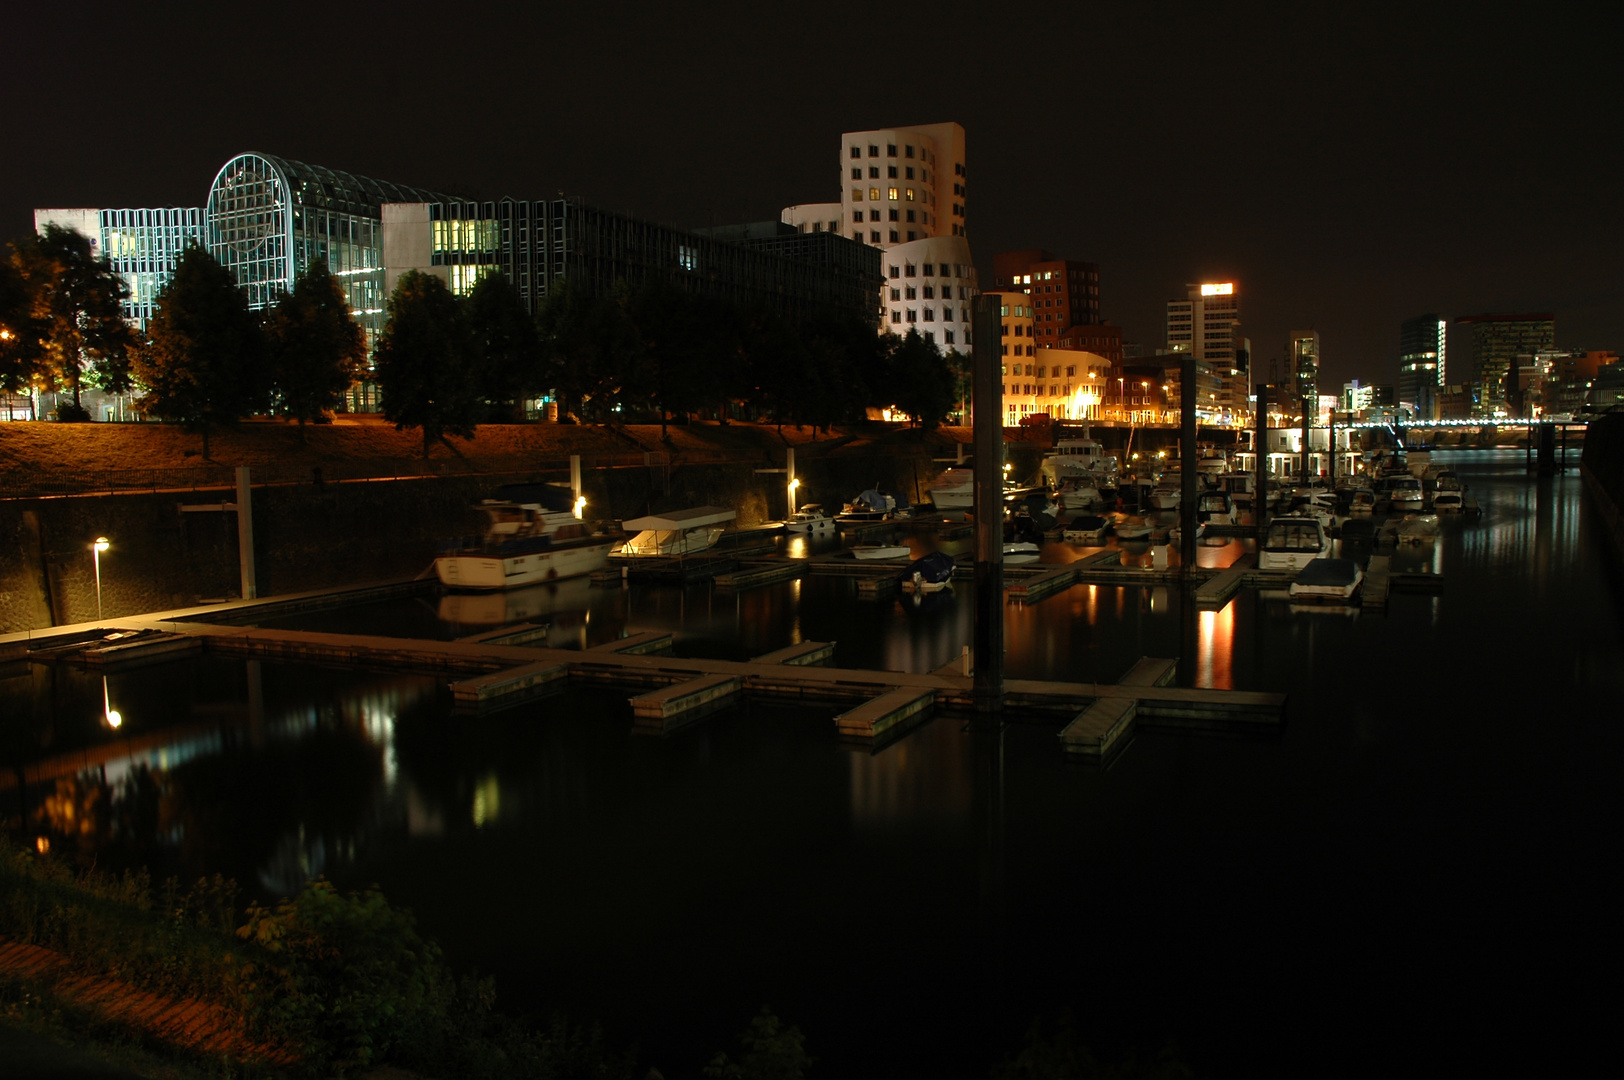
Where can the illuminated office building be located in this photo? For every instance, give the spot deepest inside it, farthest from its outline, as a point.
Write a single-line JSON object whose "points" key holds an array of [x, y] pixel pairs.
{"points": [[142, 246], [1303, 361], [1205, 323], [1494, 342], [1422, 363]]}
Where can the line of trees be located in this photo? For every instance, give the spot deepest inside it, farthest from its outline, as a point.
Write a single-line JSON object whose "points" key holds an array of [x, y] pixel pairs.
{"points": [[444, 363]]}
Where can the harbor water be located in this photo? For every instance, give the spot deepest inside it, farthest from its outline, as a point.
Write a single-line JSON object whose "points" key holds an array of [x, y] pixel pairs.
{"points": [[1417, 875]]}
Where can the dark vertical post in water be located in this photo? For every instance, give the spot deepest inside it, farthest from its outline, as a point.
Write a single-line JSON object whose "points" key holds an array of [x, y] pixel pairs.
{"points": [[1332, 456], [1188, 397], [1308, 428], [245, 534], [989, 509], [1260, 443], [1547, 450], [1564, 466], [1528, 449]]}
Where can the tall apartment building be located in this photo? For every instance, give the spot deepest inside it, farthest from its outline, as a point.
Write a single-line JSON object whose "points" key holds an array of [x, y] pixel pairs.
{"points": [[1067, 384], [1422, 363], [1065, 292], [1205, 323], [905, 191], [1493, 344], [1303, 360]]}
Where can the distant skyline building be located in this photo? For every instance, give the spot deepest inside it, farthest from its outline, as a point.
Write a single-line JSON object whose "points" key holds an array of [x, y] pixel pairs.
{"points": [[1303, 358], [1422, 363], [905, 191], [1206, 323], [1493, 342], [1065, 292]]}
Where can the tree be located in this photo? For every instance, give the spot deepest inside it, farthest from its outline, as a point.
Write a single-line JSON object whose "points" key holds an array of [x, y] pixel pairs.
{"points": [[591, 347], [921, 381], [203, 363], [75, 300], [316, 350], [422, 365], [770, 1051], [19, 334], [503, 345]]}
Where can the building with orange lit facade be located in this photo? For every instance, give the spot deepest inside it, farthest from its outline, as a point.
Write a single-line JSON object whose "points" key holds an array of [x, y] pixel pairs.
{"points": [[1065, 293], [1039, 380]]}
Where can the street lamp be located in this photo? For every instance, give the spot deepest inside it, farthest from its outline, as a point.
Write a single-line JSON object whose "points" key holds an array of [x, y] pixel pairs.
{"points": [[793, 484], [1122, 399], [96, 549]]}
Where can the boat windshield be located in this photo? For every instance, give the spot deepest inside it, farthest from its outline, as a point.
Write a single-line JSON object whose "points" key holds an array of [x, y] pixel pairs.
{"points": [[1291, 535]]}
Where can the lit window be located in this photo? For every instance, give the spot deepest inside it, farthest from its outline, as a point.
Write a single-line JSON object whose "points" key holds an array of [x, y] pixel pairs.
{"points": [[910, 195], [856, 194], [1003, 309], [893, 192], [874, 193], [687, 257]]}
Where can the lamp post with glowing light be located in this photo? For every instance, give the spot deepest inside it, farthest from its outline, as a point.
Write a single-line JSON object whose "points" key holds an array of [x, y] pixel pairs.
{"points": [[96, 549]]}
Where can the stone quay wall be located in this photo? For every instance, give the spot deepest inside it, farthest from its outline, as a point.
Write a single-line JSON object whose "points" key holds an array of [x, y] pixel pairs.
{"points": [[1602, 467], [312, 536]]}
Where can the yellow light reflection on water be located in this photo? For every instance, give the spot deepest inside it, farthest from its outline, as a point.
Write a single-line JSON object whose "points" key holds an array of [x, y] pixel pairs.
{"points": [[1215, 649], [487, 801]]}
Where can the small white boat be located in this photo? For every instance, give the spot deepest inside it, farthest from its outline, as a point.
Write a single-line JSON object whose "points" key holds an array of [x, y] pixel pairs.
{"points": [[1020, 553], [681, 532], [1166, 496], [1417, 529], [1292, 543], [879, 552], [531, 535], [955, 489], [1362, 501], [1077, 459], [1406, 493], [809, 519], [1215, 508], [1087, 530], [1132, 529], [1450, 496], [1327, 580], [1078, 494], [872, 505]]}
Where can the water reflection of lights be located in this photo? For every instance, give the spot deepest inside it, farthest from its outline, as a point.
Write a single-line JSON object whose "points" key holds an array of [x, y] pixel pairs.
{"points": [[487, 801], [1215, 661], [113, 717]]}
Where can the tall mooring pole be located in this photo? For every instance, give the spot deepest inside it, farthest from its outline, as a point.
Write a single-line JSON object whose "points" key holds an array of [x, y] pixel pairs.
{"points": [[1260, 443], [245, 535], [1189, 397], [989, 509]]}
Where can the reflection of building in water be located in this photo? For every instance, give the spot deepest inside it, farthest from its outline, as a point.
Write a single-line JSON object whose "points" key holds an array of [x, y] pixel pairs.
{"points": [[922, 781]]}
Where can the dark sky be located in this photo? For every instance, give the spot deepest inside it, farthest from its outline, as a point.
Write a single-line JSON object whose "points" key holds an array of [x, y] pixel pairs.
{"points": [[1348, 165]]}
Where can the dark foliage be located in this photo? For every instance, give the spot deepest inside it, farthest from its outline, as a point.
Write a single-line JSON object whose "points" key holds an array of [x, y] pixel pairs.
{"points": [[76, 323], [422, 365], [316, 350]]}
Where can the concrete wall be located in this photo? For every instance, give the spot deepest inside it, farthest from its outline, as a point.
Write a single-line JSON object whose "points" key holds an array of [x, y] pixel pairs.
{"points": [[1602, 467], [309, 536]]}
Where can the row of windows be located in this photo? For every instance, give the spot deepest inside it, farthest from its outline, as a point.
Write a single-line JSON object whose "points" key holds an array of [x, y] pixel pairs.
{"points": [[1020, 312], [891, 174], [909, 292], [1040, 390], [874, 215], [890, 151], [1018, 350], [874, 236], [909, 315], [928, 270], [908, 194], [1042, 371]]}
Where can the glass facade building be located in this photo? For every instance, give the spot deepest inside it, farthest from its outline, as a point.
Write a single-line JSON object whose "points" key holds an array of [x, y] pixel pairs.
{"points": [[267, 218], [540, 244], [143, 246], [1495, 342]]}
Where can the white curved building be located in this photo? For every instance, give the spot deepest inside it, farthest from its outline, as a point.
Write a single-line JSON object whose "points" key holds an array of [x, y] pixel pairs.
{"points": [[904, 190]]}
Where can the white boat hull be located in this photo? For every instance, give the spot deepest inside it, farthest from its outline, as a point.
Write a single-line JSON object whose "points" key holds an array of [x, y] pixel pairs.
{"points": [[492, 572], [874, 552], [953, 498]]}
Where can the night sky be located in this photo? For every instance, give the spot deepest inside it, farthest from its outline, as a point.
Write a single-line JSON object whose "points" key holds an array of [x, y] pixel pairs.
{"points": [[1348, 165]]}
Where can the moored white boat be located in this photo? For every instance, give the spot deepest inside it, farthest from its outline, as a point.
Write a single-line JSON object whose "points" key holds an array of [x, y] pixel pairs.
{"points": [[1166, 496], [681, 532], [879, 552], [1019, 553], [929, 573], [531, 535], [809, 519], [1327, 579], [872, 505], [1292, 543], [1215, 508], [1450, 495], [1086, 530], [1417, 529], [955, 489], [1077, 459], [1406, 493]]}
